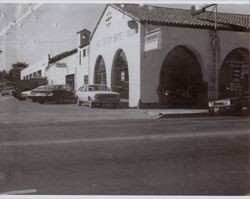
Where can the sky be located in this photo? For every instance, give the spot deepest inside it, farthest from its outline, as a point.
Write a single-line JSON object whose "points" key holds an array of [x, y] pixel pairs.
{"points": [[31, 31]]}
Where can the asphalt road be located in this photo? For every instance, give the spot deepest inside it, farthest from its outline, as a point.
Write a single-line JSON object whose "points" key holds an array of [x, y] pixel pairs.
{"points": [[188, 156]]}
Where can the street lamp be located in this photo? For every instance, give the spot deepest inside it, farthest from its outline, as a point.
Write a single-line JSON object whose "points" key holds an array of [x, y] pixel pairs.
{"points": [[215, 50]]}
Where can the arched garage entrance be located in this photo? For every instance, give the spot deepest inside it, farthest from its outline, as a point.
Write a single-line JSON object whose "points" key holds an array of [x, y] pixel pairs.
{"points": [[100, 71], [234, 74], [120, 76], [181, 83]]}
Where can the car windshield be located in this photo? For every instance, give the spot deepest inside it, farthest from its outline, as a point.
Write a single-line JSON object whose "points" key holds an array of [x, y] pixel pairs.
{"points": [[98, 88], [7, 88], [53, 87]]}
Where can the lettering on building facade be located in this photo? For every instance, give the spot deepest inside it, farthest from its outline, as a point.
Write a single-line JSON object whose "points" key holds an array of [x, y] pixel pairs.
{"points": [[110, 39]]}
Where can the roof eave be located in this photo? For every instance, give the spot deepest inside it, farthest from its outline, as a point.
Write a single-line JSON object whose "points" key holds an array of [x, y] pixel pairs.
{"points": [[232, 28], [124, 12]]}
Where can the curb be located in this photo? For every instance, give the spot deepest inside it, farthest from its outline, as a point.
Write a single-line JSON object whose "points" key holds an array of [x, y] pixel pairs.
{"points": [[184, 115]]}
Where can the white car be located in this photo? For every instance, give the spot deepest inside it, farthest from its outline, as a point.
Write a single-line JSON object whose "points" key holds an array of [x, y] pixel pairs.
{"points": [[25, 95], [97, 94], [7, 91]]}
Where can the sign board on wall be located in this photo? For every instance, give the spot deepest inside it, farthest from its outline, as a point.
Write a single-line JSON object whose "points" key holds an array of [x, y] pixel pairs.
{"points": [[152, 41], [239, 76]]}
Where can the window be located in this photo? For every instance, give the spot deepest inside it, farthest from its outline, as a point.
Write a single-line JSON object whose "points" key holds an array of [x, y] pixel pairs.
{"points": [[122, 75], [84, 53], [39, 73], [80, 61], [86, 79]]}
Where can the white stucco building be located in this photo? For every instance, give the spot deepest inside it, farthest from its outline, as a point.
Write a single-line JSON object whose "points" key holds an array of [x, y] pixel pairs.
{"points": [[35, 70], [144, 51]]}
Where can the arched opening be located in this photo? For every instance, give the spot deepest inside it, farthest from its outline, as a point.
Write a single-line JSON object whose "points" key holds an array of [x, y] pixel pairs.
{"points": [[100, 71], [181, 83], [120, 75], [234, 74]]}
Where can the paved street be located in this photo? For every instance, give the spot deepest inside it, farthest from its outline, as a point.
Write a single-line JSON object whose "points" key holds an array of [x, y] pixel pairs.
{"points": [[197, 156]]}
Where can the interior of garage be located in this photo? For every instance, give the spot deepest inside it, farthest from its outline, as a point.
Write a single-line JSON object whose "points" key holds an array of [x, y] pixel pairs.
{"points": [[181, 81]]}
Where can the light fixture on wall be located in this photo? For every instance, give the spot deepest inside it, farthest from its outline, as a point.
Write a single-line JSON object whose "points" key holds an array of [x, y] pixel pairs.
{"points": [[133, 25]]}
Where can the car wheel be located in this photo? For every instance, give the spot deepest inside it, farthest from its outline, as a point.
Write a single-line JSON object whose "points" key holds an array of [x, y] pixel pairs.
{"points": [[78, 101], [115, 105], [41, 100], [59, 100], [91, 103], [237, 110], [34, 100]]}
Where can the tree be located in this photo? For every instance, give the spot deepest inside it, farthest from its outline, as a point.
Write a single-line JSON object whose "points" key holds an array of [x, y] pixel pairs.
{"points": [[15, 71], [3, 77]]}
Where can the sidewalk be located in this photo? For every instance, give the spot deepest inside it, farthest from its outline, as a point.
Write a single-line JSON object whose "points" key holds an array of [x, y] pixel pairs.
{"points": [[72, 114], [175, 113]]}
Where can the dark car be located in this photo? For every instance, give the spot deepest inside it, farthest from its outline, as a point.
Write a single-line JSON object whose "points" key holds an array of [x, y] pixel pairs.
{"points": [[176, 98], [28, 85], [234, 105], [57, 93]]}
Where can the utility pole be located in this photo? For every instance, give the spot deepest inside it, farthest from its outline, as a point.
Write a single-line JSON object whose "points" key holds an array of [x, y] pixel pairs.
{"points": [[213, 68], [195, 12]]}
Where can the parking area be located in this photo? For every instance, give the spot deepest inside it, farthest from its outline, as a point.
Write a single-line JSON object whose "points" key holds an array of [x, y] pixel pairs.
{"points": [[15, 111]]}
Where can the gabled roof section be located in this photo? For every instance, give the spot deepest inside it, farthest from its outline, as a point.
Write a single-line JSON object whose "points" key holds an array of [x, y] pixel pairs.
{"points": [[62, 56], [117, 8], [91, 36], [183, 18]]}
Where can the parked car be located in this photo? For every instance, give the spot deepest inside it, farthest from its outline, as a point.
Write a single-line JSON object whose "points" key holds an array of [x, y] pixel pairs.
{"points": [[176, 98], [232, 105], [7, 91], [97, 94], [49, 93], [25, 95], [27, 85]]}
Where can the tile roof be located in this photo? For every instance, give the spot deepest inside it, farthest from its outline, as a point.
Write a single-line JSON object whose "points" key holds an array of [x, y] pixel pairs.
{"points": [[183, 17], [62, 56]]}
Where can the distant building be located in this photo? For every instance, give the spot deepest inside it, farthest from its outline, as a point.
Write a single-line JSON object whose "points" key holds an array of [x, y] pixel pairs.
{"points": [[35, 70], [61, 68], [144, 52]]}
